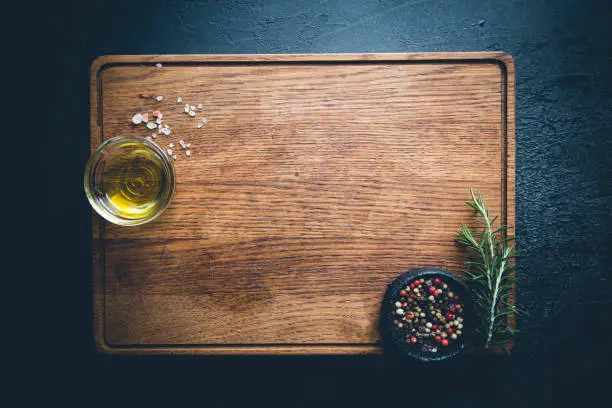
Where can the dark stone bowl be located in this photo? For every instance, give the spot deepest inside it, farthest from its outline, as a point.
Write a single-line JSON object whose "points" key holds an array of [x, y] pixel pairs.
{"points": [[393, 338]]}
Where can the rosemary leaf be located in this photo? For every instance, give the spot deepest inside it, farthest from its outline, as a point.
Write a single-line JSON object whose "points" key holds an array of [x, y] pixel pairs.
{"points": [[489, 272]]}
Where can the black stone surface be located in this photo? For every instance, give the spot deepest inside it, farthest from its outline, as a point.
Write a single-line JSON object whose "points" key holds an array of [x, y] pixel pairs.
{"points": [[563, 53]]}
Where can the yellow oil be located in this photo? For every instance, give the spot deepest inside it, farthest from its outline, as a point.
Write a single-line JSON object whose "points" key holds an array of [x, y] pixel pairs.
{"points": [[132, 182]]}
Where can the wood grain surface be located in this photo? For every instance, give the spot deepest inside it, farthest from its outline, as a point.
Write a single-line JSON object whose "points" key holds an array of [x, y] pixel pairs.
{"points": [[316, 181]]}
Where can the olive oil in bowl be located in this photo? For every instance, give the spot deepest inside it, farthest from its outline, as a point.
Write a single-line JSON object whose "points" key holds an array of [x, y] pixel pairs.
{"points": [[129, 181]]}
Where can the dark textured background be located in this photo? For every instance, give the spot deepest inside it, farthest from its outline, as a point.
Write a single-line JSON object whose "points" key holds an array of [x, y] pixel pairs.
{"points": [[563, 53]]}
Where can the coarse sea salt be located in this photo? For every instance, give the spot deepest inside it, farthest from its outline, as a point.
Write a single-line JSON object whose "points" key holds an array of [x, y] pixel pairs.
{"points": [[137, 119]]}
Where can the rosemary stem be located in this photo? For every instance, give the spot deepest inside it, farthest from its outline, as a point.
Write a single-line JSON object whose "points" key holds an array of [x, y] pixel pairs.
{"points": [[493, 304], [487, 274]]}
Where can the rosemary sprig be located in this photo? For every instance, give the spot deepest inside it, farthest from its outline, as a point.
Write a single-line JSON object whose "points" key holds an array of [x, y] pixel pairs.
{"points": [[489, 273]]}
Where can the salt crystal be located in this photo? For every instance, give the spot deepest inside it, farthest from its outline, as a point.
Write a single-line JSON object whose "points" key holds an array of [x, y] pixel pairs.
{"points": [[174, 156], [166, 131], [188, 152], [191, 113], [158, 121], [153, 135], [145, 117], [171, 145], [200, 125], [159, 98], [193, 108], [182, 143], [158, 65], [188, 145], [179, 99], [204, 120], [169, 152], [151, 125], [157, 114], [137, 119], [200, 106]]}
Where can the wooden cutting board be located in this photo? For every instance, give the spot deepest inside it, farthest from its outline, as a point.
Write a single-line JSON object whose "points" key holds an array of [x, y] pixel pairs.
{"points": [[316, 180]]}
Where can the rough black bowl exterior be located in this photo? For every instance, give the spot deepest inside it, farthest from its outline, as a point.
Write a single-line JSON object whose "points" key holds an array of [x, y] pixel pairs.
{"points": [[394, 339]]}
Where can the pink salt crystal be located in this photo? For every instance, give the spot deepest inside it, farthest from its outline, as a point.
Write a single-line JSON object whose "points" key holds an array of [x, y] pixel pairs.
{"points": [[137, 119]]}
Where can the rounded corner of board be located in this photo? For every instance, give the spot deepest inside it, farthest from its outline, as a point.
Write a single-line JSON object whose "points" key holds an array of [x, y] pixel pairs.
{"points": [[99, 64], [505, 62], [103, 347]]}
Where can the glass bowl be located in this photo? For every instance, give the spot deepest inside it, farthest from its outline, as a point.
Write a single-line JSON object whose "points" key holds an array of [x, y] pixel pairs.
{"points": [[129, 180]]}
